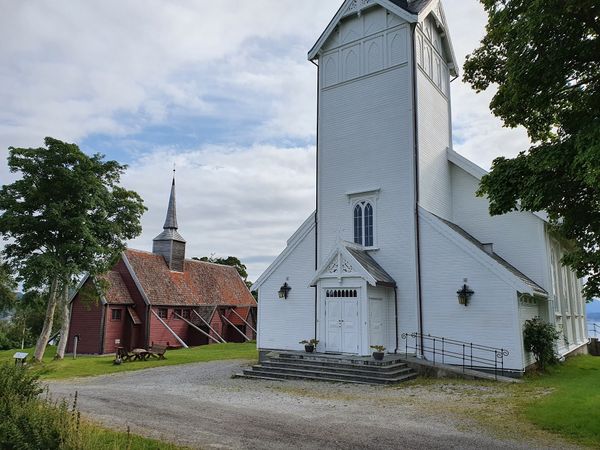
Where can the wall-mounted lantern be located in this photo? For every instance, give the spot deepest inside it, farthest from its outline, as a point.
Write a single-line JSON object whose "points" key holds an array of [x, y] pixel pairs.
{"points": [[284, 290], [464, 294]]}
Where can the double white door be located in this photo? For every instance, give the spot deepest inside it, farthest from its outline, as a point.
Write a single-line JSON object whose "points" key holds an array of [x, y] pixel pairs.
{"points": [[341, 315]]}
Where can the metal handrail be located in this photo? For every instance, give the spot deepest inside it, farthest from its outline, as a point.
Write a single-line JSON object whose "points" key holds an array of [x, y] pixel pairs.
{"points": [[484, 357], [595, 328]]}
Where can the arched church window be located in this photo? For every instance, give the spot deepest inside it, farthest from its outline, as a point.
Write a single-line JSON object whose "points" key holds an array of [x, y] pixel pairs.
{"points": [[368, 225], [364, 229], [358, 224]]}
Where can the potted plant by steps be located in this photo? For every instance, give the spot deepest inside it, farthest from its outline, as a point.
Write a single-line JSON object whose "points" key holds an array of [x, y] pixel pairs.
{"points": [[379, 352], [309, 346]]}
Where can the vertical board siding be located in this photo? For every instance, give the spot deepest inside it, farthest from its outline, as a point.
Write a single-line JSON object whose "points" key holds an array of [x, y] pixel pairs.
{"points": [[115, 335], [86, 319]]}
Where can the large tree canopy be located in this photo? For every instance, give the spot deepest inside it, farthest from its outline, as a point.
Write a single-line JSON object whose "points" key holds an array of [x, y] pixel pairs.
{"points": [[544, 58], [64, 216], [7, 289]]}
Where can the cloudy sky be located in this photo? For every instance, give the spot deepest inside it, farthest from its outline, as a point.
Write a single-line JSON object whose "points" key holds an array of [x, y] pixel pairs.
{"points": [[221, 89]]}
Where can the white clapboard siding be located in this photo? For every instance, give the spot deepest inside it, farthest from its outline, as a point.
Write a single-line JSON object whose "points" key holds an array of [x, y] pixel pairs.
{"points": [[491, 318], [517, 237], [283, 323]]}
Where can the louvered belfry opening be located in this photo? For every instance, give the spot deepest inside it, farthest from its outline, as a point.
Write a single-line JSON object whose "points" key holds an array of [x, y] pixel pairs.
{"points": [[170, 244]]}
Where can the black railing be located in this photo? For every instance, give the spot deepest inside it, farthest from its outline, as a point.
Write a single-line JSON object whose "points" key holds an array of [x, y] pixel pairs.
{"points": [[451, 351], [594, 330]]}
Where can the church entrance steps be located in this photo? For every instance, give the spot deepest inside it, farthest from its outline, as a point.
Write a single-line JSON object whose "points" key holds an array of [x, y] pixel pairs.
{"points": [[334, 368]]}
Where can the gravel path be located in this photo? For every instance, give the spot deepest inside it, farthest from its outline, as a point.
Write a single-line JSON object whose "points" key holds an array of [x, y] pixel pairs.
{"points": [[201, 406]]}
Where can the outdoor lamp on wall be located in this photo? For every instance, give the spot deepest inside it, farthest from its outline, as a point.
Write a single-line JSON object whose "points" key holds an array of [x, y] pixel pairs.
{"points": [[464, 294], [284, 290]]}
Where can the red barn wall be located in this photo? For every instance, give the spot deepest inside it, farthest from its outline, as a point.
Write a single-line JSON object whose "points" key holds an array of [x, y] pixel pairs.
{"points": [[115, 335], [159, 333], [86, 321]]}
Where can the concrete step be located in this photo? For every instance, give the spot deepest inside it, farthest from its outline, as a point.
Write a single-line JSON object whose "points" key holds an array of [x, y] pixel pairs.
{"points": [[254, 376], [324, 358], [297, 373], [324, 376], [338, 368]]}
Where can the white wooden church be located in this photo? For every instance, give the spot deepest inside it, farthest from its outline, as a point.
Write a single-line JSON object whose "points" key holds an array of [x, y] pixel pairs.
{"points": [[398, 229]]}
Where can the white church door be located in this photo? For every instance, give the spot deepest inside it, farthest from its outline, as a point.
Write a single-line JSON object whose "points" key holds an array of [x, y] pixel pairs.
{"points": [[377, 335], [341, 315]]}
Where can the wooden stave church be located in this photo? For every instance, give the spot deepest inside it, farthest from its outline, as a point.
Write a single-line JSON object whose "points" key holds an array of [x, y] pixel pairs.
{"points": [[161, 298]]}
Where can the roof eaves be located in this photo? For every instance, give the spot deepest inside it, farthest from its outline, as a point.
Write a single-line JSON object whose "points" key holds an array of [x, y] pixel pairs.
{"points": [[477, 172], [79, 286], [509, 276], [135, 278], [308, 226]]}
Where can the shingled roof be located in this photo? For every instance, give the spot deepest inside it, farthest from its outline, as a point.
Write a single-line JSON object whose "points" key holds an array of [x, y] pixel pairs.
{"points": [[116, 293], [200, 283], [412, 6]]}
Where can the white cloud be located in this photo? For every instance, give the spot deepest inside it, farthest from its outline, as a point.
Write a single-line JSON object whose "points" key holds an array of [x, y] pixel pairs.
{"points": [[230, 201], [78, 68]]}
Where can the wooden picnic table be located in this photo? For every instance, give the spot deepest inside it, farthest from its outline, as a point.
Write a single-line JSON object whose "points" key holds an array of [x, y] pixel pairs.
{"points": [[140, 354]]}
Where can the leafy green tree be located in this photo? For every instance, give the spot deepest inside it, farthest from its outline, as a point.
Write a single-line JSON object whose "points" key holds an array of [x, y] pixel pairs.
{"points": [[7, 290], [539, 338], [64, 216], [544, 58]]}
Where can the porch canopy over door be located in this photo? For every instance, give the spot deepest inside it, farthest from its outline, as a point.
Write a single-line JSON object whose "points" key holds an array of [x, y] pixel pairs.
{"points": [[343, 309]]}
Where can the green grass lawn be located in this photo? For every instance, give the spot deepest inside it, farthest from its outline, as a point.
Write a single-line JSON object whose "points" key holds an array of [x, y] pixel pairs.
{"points": [[86, 366], [94, 437], [572, 408]]}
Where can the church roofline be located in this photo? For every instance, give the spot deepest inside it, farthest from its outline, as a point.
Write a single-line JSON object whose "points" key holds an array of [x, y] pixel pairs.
{"points": [[300, 234], [413, 11], [342, 12], [502, 268], [477, 172]]}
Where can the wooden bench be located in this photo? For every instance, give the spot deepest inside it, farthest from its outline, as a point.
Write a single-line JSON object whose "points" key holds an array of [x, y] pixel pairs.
{"points": [[157, 351], [123, 354]]}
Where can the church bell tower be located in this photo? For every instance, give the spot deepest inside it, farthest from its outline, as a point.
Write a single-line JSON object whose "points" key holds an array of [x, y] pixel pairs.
{"points": [[170, 244]]}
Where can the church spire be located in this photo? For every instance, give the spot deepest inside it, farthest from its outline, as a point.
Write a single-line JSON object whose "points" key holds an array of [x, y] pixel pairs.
{"points": [[170, 244], [171, 220]]}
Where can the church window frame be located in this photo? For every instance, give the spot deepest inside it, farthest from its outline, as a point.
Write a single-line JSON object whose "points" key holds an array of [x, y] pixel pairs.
{"points": [[364, 226], [364, 222]]}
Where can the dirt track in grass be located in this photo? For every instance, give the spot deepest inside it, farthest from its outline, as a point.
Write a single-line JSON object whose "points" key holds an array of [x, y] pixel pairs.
{"points": [[201, 406]]}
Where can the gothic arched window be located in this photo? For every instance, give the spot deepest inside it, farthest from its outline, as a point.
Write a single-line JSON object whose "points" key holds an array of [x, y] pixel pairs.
{"points": [[364, 224], [358, 224]]}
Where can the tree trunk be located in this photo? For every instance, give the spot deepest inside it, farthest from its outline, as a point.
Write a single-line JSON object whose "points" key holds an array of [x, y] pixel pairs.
{"points": [[42, 341], [66, 320]]}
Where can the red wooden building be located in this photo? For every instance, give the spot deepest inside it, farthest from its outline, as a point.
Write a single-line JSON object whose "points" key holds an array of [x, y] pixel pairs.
{"points": [[162, 298]]}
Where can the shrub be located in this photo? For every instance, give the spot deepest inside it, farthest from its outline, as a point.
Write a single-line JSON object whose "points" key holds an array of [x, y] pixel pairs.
{"points": [[539, 338], [30, 422]]}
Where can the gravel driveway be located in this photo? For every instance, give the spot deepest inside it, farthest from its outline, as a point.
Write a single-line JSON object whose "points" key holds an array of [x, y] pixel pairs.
{"points": [[201, 406]]}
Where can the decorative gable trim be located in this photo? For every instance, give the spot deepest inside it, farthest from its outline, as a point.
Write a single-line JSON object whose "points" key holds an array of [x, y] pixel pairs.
{"points": [[350, 7], [436, 9], [341, 264]]}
